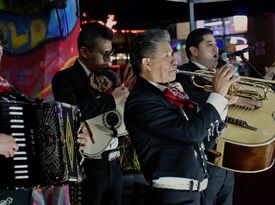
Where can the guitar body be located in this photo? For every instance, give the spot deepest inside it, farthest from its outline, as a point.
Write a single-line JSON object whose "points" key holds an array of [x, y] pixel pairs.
{"points": [[102, 132], [248, 150]]}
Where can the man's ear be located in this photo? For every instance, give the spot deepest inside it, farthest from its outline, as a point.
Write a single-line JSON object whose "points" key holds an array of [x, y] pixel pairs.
{"points": [[83, 52], [194, 51], [146, 63]]}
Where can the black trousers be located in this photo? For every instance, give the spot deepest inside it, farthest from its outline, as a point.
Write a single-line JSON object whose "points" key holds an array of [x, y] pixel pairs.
{"points": [[103, 183], [220, 187], [158, 196]]}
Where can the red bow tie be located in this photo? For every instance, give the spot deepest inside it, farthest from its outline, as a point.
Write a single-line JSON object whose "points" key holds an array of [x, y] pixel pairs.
{"points": [[177, 98]]}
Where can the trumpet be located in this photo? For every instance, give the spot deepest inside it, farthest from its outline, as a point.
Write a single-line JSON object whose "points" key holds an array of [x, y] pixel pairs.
{"points": [[248, 87]]}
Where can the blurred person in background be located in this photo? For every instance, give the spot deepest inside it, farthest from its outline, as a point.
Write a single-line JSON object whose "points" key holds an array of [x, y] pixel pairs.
{"points": [[203, 53]]}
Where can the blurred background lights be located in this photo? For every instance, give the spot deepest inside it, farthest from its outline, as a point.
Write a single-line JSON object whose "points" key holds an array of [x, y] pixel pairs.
{"points": [[240, 23]]}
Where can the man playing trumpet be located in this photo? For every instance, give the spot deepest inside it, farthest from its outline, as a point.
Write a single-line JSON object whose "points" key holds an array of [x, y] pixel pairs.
{"points": [[203, 53], [165, 128]]}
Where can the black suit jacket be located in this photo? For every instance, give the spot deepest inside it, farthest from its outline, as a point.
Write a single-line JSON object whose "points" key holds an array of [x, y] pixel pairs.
{"points": [[199, 96], [71, 86], [168, 145], [196, 94]]}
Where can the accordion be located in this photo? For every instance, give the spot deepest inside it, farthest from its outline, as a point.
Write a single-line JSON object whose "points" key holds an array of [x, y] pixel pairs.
{"points": [[46, 133]]}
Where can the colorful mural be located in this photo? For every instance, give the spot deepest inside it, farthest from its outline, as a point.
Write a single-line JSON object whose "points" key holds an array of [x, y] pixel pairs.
{"points": [[38, 46]]}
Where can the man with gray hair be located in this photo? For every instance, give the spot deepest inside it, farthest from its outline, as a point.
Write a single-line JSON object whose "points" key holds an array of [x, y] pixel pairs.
{"points": [[165, 127]]}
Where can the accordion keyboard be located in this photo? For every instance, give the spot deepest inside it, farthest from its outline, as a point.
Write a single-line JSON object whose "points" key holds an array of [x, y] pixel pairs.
{"points": [[18, 120]]}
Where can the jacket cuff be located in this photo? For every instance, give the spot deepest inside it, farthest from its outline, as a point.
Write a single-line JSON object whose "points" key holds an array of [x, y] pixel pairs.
{"points": [[220, 104]]}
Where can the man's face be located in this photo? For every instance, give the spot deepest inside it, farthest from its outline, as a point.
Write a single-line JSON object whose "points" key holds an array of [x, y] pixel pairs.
{"points": [[207, 52], [99, 58], [162, 64]]}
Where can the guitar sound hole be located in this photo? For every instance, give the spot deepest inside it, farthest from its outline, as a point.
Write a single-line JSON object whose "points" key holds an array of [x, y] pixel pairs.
{"points": [[112, 119]]}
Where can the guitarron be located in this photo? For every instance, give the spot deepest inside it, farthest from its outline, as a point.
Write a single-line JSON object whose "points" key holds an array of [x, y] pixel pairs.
{"points": [[247, 144]]}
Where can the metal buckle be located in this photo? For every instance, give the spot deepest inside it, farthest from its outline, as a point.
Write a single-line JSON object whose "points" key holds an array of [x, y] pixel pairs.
{"points": [[111, 158], [191, 185], [199, 186], [105, 155]]}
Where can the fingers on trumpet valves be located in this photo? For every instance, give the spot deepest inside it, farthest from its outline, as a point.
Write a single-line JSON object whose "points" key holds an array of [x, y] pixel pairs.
{"points": [[223, 79], [227, 70], [229, 73]]}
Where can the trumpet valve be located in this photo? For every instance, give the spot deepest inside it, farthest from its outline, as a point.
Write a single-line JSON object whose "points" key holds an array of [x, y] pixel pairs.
{"points": [[232, 90]]}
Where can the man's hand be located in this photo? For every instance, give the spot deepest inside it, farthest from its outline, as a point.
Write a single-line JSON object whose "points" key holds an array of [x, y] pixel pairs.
{"points": [[82, 137], [270, 69], [120, 94], [223, 79], [129, 77], [270, 72], [249, 103], [8, 145], [231, 99]]}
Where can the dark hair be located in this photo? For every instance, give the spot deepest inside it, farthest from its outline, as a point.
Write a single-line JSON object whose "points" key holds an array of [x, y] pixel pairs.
{"points": [[90, 33], [194, 38], [144, 45], [3, 34]]}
